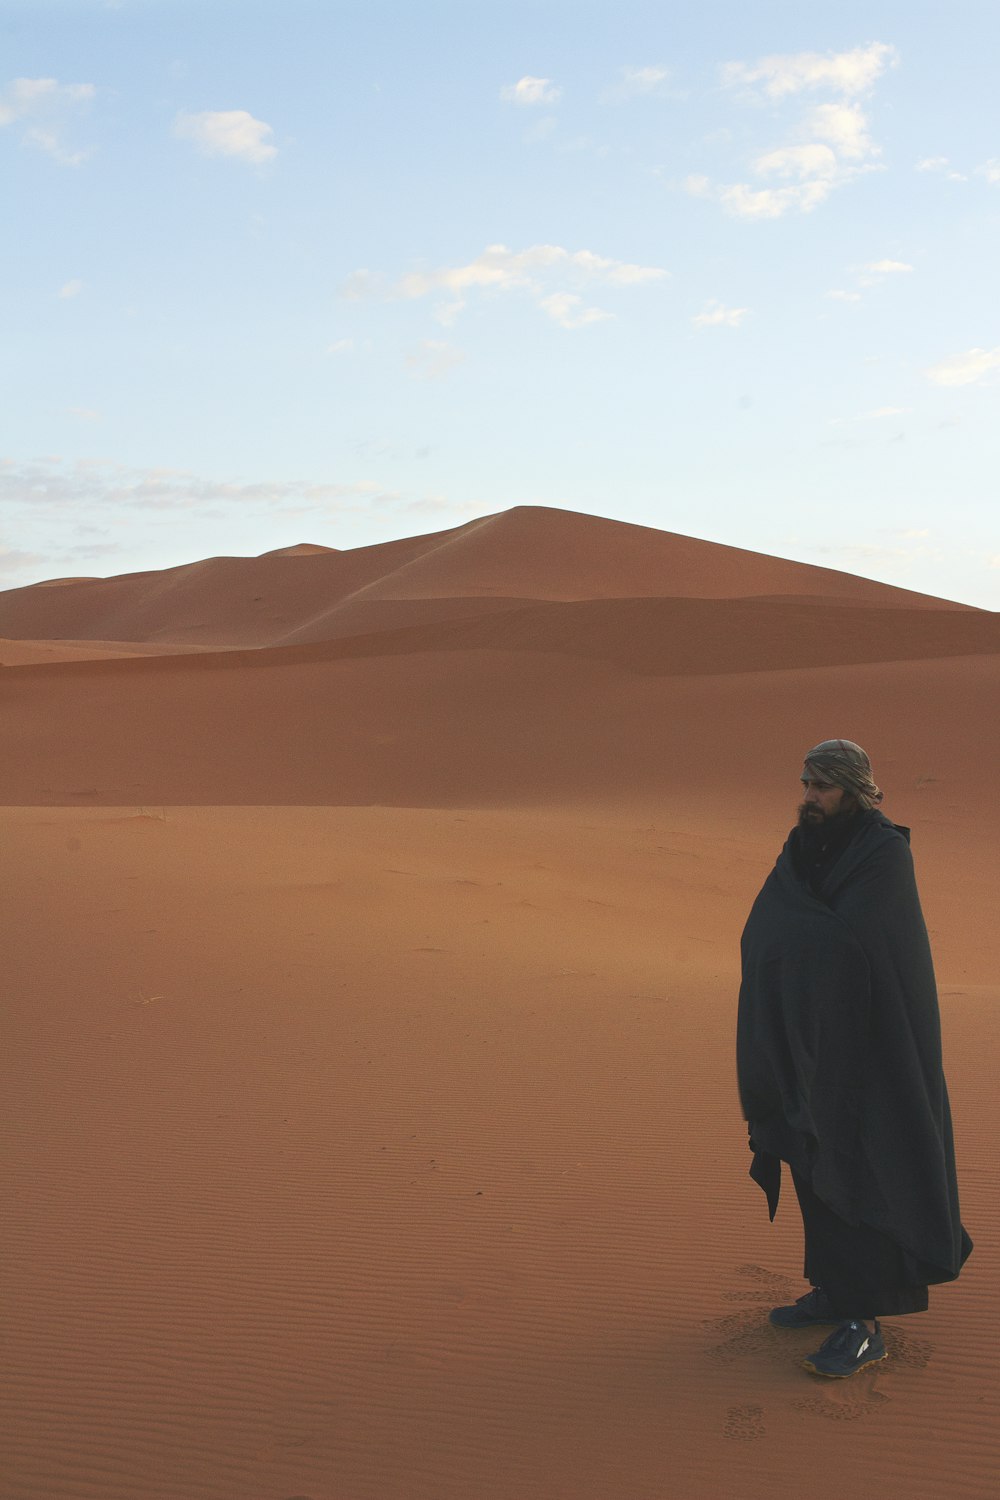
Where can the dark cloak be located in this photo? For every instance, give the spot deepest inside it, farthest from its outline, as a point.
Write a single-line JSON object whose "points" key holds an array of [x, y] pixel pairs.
{"points": [[839, 1047]]}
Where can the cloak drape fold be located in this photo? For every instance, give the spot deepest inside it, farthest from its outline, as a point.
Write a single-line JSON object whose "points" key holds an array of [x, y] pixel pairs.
{"points": [[839, 1047]]}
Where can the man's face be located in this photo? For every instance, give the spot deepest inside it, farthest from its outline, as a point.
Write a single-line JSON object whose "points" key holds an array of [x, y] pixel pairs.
{"points": [[822, 801]]}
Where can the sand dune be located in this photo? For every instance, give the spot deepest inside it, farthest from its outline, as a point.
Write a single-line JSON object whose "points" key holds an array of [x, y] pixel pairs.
{"points": [[43, 653], [369, 1022], [306, 593]]}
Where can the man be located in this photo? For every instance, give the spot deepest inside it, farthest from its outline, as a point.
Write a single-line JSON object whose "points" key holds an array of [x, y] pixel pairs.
{"points": [[839, 1065]]}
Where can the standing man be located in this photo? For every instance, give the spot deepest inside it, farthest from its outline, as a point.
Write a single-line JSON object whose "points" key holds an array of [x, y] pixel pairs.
{"points": [[839, 1065]]}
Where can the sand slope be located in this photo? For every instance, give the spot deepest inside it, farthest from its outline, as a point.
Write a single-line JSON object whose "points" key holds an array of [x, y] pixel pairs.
{"points": [[306, 593], [21, 653], [367, 1154], [369, 1006]]}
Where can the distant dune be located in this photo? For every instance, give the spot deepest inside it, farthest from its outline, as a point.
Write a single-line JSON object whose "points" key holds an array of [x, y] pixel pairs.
{"points": [[300, 549], [307, 593]]}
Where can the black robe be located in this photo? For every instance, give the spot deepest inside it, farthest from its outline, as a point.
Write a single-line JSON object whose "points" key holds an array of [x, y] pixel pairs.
{"points": [[839, 1047]]}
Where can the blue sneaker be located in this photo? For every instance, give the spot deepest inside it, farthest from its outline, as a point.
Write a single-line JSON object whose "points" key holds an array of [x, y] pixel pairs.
{"points": [[809, 1311], [848, 1349]]}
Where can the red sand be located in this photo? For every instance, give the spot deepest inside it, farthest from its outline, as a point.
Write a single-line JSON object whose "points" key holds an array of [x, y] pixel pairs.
{"points": [[370, 1029]]}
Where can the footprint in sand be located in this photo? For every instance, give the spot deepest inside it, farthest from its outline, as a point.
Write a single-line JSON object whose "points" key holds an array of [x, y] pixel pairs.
{"points": [[743, 1333], [843, 1406], [744, 1423], [765, 1286], [767, 1281], [904, 1349]]}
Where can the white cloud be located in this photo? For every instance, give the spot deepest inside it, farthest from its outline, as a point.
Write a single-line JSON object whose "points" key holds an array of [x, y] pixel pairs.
{"points": [[341, 346], [635, 83], [966, 368], [433, 359], [85, 413], [884, 411], [781, 74], [92, 485], [24, 97], [500, 269], [844, 126], [70, 288], [44, 107], [567, 309], [529, 90], [830, 144], [941, 164], [717, 315], [53, 501], [870, 274], [990, 170], [797, 161], [886, 267], [14, 563], [227, 132], [745, 201]]}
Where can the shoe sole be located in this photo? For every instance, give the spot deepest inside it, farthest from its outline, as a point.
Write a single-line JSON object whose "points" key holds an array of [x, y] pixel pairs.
{"points": [[807, 1364]]}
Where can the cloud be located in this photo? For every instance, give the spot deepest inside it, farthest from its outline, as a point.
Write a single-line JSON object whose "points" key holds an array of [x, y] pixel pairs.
{"points": [[870, 274], [44, 108], [884, 411], [227, 132], [567, 309], [826, 147], [816, 160], [341, 346], [85, 413], [142, 506], [990, 170], [782, 74], [744, 201], [433, 359], [635, 83], [964, 369], [91, 485], [843, 126], [528, 91], [500, 269], [886, 267], [941, 164], [70, 288], [24, 97], [717, 315]]}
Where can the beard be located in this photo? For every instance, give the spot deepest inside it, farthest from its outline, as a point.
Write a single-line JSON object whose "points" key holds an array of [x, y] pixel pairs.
{"points": [[821, 825]]}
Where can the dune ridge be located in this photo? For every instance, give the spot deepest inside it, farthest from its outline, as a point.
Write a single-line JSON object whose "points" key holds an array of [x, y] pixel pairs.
{"points": [[677, 637], [528, 553]]}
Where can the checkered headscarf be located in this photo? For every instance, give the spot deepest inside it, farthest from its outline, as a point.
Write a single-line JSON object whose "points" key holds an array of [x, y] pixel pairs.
{"points": [[845, 764]]}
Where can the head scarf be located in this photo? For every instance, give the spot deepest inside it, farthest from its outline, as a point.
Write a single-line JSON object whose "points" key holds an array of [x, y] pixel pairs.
{"points": [[845, 764]]}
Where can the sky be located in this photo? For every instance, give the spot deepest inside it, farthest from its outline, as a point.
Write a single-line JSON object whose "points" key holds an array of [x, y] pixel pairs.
{"points": [[276, 271]]}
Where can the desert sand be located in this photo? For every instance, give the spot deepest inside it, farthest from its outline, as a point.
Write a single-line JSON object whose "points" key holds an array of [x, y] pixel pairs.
{"points": [[371, 970]]}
